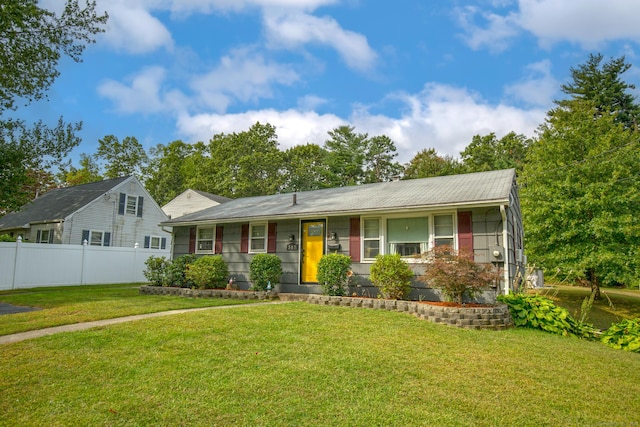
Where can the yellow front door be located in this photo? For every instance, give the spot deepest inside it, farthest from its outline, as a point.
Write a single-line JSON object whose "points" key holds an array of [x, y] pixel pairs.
{"points": [[312, 249]]}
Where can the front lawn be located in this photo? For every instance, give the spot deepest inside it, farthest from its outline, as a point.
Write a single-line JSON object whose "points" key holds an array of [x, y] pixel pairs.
{"points": [[303, 364], [73, 304]]}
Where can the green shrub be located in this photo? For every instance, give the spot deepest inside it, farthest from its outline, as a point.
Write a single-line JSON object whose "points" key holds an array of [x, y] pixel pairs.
{"points": [[333, 273], [176, 271], [456, 274], [534, 311], [208, 272], [623, 336], [392, 276], [264, 269], [6, 238], [156, 271]]}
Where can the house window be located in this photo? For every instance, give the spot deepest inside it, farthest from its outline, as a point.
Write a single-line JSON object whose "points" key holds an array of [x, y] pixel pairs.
{"points": [[443, 230], [44, 236], [132, 205], [371, 237], [204, 241], [155, 242], [258, 237], [95, 238], [408, 236]]}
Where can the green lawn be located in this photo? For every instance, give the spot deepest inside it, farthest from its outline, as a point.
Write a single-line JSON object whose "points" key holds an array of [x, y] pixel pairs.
{"points": [[74, 304], [614, 306], [302, 364]]}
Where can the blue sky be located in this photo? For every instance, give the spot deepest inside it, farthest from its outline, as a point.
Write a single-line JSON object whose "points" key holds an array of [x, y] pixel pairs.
{"points": [[429, 74]]}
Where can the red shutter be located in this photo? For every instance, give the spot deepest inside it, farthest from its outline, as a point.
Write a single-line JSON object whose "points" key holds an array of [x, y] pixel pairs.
{"points": [[244, 239], [192, 240], [219, 231], [354, 239], [271, 237], [465, 233]]}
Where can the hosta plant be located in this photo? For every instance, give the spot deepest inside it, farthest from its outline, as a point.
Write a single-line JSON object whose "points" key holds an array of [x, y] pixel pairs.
{"points": [[624, 335], [534, 311]]}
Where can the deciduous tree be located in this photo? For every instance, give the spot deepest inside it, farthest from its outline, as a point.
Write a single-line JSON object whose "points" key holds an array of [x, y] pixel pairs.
{"points": [[121, 158], [580, 190], [427, 163]]}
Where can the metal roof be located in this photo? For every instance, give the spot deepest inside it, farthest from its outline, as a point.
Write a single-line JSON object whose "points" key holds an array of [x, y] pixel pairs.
{"points": [[465, 189], [55, 205]]}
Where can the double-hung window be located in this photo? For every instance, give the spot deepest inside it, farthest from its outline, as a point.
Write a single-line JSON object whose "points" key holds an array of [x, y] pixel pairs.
{"points": [[371, 237], [258, 237], [205, 240], [132, 205], [408, 236], [95, 238], [443, 230]]}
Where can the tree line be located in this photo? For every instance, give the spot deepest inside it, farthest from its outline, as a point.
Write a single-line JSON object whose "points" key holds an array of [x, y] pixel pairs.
{"points": [[579, 177], [251, 163]]}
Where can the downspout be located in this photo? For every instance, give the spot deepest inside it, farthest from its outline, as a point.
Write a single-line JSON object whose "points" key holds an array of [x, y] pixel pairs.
{"points": [[505, 243]]}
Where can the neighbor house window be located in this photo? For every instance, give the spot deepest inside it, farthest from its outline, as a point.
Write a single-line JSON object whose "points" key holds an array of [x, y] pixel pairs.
{"points": [[204, 241], [155, 242], [371, 237], [408, 236], [96, 238], [130, 205], [44, 236], [258, 237], [443, 230]]}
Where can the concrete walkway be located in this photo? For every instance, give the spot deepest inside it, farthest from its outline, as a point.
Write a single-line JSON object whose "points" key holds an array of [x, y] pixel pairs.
{"points": [[8, 339]]}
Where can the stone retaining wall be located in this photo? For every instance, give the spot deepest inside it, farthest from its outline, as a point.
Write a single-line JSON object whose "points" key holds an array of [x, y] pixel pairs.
{"points": [[495, 318]]}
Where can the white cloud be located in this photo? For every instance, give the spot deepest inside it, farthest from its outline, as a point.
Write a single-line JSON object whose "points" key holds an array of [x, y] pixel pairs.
{"points": [[292, 30], [442, 117], [496, 33], [209, 6], [132, 28], [588, 23], [293, 127], [538, 87], [243, 75], [143, 94]]}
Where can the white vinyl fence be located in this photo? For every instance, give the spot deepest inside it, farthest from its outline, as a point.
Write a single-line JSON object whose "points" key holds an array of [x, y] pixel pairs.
{"points": [[29, 265]]}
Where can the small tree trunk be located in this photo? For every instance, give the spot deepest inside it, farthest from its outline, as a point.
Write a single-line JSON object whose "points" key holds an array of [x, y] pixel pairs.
{"points": [[595, 286]]}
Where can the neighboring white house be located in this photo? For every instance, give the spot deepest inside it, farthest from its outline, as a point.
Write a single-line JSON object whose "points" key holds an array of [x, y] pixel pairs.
{"points": [[192, 201], [115, 212]]}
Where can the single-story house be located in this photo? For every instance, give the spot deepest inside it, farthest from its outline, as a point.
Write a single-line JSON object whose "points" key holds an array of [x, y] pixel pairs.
{"points": [[114, 212], [190, 201], [477, 212]]}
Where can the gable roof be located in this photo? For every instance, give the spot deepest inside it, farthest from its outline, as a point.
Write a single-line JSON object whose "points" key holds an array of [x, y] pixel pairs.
{"points": [[57, 204], [493, 187]]}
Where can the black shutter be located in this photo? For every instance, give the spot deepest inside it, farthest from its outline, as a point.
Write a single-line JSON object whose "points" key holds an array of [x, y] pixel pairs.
{"points": [[163, 243], [85, 236], [107, 238], [147, 241], [51, 235], [140, 200], [38, 236], [121, 205]]}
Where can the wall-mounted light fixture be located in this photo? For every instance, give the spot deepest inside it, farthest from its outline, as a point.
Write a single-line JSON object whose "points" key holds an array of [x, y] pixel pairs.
{"points": [[292, 238], [334, 236]]}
